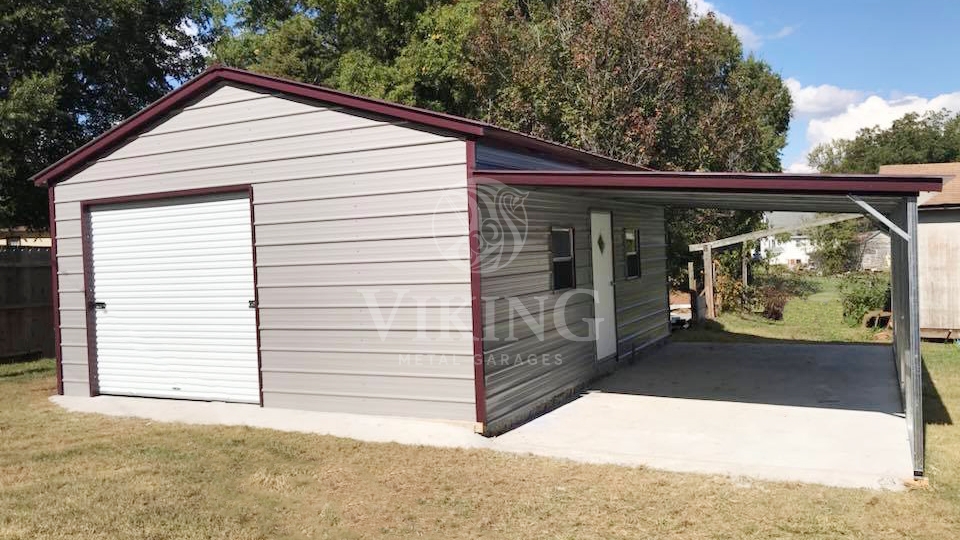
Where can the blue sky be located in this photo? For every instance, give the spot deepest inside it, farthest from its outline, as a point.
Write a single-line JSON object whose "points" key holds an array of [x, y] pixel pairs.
{"points": [[851, 63]]}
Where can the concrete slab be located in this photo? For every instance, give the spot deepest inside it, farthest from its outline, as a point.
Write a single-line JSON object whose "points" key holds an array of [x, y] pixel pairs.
{"points": [[353, 426], [826, 414]]}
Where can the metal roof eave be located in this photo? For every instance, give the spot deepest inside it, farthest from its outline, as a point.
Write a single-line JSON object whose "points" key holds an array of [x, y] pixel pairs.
{"points": [[840, 185]]}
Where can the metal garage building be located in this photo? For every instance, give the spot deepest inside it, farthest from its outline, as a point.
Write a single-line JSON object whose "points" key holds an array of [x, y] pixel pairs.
{"points": [[258, 240]]}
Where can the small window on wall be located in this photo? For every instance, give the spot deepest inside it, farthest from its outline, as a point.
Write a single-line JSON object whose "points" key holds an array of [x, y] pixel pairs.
{"points": [[631, 250], [561, 253]]}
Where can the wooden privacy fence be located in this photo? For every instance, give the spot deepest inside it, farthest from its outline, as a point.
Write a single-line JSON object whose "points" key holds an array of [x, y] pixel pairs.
{"points": [[26, 303]]}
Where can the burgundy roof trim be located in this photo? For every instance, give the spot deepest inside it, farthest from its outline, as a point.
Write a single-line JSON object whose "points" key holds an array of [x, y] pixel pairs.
{"points": [[213, 76], [706, 181]]}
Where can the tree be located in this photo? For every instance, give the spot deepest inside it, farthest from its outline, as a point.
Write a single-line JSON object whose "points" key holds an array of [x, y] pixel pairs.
{"points": [[837, 246], [71, 69], [644, 82], [930, 138]]}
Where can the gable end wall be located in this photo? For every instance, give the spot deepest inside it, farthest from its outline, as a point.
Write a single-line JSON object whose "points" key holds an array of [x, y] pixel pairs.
{"points": [[343, 203]]}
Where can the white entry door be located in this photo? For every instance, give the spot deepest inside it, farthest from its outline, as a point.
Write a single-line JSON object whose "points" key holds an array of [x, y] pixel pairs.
{"points": [[172, 294], [605, 317]]}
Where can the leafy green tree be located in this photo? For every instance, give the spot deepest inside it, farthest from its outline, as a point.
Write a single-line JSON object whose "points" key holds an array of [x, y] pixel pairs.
{"points": [[837, 246], [71, 69], [645, 82]]}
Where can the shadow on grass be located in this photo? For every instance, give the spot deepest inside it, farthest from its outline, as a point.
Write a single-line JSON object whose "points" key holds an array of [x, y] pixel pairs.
{"points": [[934, 410], [23, 371], [716, 332]]}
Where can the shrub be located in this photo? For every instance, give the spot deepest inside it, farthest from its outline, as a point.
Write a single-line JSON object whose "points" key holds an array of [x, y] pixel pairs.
{"points": [[861, 293], [731, 294], [772, 301]]}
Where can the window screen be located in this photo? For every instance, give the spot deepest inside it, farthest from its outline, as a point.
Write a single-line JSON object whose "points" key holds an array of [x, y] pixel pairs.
{"points": [[561, 251], [631, 250]]}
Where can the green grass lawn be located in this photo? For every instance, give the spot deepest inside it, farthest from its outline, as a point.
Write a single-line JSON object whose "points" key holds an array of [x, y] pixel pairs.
{"points": [[818, 317], [65, 475]]}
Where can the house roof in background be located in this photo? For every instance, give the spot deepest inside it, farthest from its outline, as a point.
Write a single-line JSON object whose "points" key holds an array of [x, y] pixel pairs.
{"points": [[948, 196], [218, 75]]}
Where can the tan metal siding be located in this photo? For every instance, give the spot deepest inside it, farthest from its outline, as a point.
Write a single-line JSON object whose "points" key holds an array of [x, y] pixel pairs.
{"points": [[939, 251], [343, 203], [517, 390]]}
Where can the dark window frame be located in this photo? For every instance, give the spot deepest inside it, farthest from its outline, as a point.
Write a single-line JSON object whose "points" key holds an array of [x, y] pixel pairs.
{"points": [[627, 254], [571, 259]]}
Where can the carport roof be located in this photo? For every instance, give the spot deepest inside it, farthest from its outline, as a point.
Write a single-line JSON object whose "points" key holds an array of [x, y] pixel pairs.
{"points": [[738, 191]]}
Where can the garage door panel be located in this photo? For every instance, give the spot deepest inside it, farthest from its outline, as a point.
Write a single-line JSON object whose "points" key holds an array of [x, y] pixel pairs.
{"points": [[200, 374], [124, 267], [175, 281], [186, 251]]}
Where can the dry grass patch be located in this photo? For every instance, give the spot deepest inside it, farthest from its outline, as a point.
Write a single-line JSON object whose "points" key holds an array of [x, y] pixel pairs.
{"points": [[66, 475]]}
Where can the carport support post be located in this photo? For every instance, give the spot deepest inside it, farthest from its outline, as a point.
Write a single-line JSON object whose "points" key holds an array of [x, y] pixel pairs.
{"points": [[744, 264], [905, 295], [696, 313], [708, 281], [915, 384]]}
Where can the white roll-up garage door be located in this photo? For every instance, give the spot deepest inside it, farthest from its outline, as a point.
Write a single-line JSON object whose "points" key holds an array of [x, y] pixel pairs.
{"points": [[173, 286]]}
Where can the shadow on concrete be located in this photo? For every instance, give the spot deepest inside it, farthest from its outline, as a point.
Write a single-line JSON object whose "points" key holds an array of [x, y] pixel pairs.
{"points": [[753, 369], [934, 410]]}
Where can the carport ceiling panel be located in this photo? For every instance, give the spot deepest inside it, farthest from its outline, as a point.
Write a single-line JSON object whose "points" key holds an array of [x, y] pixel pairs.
{"points": [[832, 203]]}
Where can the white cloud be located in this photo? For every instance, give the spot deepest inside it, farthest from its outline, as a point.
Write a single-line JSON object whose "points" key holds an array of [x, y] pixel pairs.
{"points": [[816, 101], [832, 113], [783, 32], [875, 111], [799, 167], [750, 39]]}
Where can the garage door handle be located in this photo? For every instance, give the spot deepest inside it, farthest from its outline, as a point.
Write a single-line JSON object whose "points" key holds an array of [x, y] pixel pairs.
{"points": [[97, 305], [252, 304]]}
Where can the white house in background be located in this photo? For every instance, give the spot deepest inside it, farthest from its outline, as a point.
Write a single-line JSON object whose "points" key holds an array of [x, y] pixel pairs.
{"points": [[795, 252]]}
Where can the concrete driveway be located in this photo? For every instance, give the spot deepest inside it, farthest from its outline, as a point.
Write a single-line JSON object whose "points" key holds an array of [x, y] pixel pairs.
{"points": [[821, 413]]}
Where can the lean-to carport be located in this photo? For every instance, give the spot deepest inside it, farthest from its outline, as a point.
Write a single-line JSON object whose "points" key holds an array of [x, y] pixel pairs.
{"points": [[890, 201]]}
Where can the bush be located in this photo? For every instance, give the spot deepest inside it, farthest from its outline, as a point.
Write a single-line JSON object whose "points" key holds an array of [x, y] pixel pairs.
{"points": [[861, 293], [772, 301], [771, 289], [731, 294]]}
